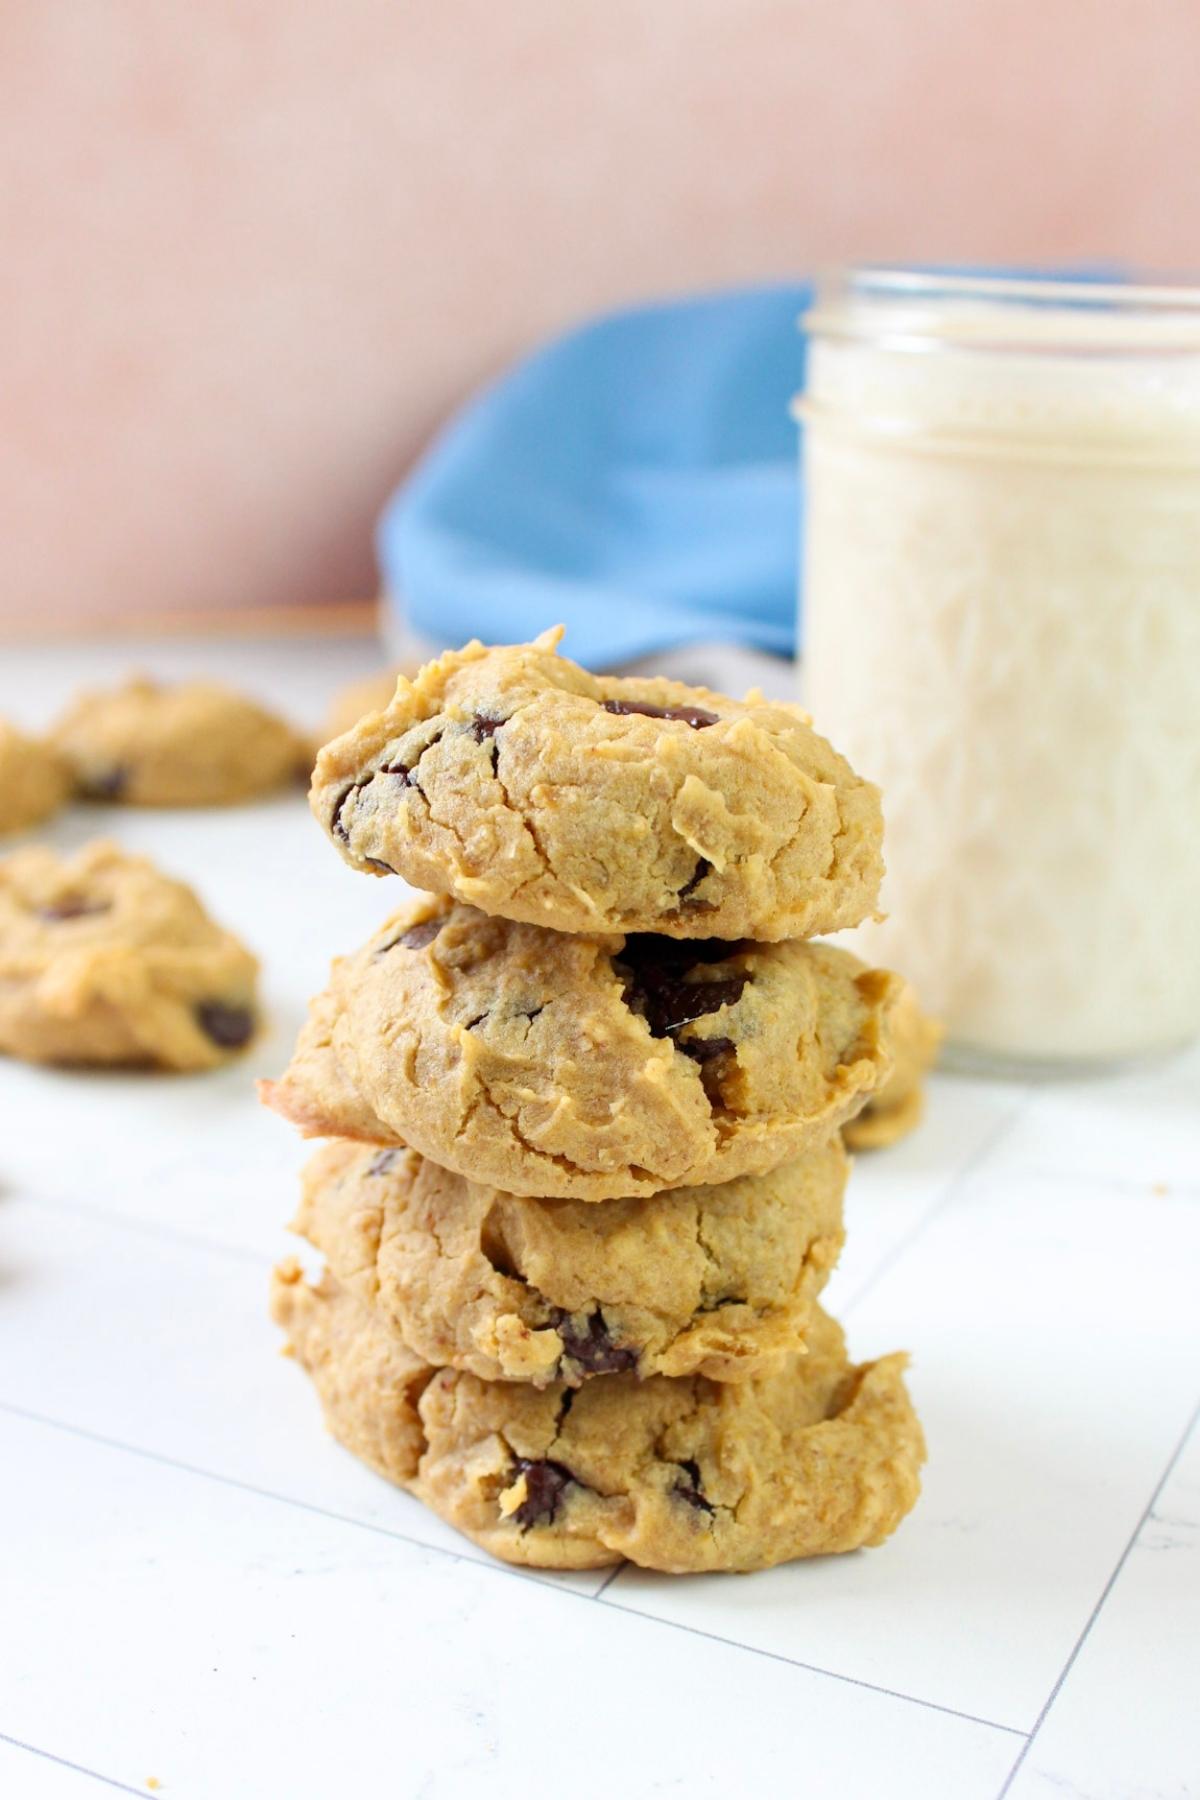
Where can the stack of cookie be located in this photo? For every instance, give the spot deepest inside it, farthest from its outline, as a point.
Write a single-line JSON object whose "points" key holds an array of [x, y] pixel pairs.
{"points": [[586, 1099]]}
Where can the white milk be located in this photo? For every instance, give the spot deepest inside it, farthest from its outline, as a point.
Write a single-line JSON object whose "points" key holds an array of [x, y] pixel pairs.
{"points": [[1002, 628]]}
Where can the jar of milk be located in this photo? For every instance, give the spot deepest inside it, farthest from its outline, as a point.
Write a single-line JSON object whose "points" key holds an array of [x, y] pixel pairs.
{"points": [[1002, 628]]}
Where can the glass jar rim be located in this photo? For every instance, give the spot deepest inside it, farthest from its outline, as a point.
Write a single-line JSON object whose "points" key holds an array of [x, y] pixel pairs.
{"points": [[910, 307]]}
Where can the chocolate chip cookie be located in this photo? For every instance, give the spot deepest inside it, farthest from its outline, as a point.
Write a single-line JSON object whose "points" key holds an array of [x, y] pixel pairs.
{"points": [[896, 1107], [105, 960], [708, 1280], [586, 1067], [194, 744], [811, 1456], [516, 781], [33, 779]]}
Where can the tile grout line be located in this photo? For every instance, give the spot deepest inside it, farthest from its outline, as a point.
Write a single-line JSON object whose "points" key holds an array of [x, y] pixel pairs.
{"points": [[65, 1762], [491, 1566], [952, 1191], [1109, 1585], [261, 1493], [793, 1662]]}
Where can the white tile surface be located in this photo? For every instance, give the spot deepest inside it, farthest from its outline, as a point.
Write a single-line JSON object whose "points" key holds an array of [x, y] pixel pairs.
{"points": [[197, 1585], [1108, 1737], [1055, 1350], [1140, 1128], [893, 1194], [26, 1774], [164, 1347], [230, 1645]]}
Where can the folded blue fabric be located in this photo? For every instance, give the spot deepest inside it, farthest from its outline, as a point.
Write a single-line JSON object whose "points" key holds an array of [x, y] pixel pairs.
{"points": [[635, 480]]}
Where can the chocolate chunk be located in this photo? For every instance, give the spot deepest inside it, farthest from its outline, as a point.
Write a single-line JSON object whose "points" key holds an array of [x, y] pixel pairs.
{"points": [[690, 1490], [73, 906], [695, 716], [677, 955], [401, 771], [335, 823], [592, 1347], [381, 1164], [544, 1484], [703, 867], [481, 727], [417, 936], [704, 1050], [228, 1026], [658, 988], [107, 784]]}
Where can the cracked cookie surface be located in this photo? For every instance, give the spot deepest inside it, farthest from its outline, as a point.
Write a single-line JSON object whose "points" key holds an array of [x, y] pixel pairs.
{"points": [[516, 781], [192, 744], [587, 1067], [33, 779], [103, 959], [812, 1457], [897, 1106], [708, 1280]]}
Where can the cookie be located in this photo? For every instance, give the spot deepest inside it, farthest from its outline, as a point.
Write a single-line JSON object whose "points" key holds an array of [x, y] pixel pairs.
{"points": [[33, 779], [370, 695], [807, 1458], [708, 1280], [586, 1067], [514, 780], [105, 960], [194, 744], [896, 1107]]}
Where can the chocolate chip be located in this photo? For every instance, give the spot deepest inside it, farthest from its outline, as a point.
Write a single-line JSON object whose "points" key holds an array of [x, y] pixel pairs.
{"points": [[695, 716], [690, 1490], [704, 1050], [381, 1164], [678, 955], [107, 784], [703, 868], [335, 824], [228, 1026], [73, 906], [482, 727], [592, 1346], [417, 936], [657, 987], [544, 1485]]}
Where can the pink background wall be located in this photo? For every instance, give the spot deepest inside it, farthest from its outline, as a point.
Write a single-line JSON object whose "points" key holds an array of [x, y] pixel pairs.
{"points": [[252, 251]]}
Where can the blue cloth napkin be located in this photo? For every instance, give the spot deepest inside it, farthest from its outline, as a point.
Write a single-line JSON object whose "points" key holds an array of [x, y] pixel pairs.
{"points": [[635, 480]]}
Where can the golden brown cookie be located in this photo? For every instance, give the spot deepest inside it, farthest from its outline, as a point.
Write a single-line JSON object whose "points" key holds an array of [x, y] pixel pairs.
{"points": [[515, 781], [708, 1280], [105, 960], [582, 1066], [33, 780], [811, 1457], [895, 1109], [192, 744]]}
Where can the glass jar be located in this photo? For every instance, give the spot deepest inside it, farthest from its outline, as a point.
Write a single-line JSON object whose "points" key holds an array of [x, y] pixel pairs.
{"points": [[1002, 629]]}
